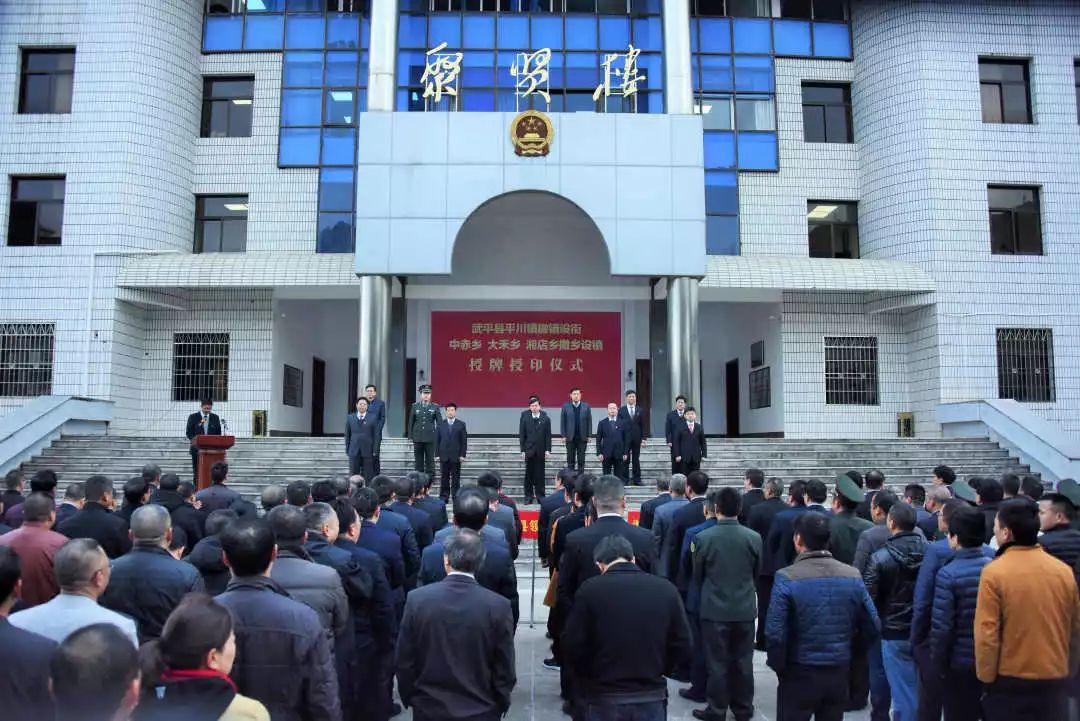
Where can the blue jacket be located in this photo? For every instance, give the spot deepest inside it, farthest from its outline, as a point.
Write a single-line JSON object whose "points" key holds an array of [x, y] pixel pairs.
{"points": [[410, 551], [818, 613], [684, 578], [952, 627], [937, 555], [147, 584], [496, 573], [379, 624]]}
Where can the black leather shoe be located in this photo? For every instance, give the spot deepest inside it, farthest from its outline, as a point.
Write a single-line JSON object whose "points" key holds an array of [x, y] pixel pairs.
{"points": [[551, 664], [706, 715], [691, 695], [395, 709]]}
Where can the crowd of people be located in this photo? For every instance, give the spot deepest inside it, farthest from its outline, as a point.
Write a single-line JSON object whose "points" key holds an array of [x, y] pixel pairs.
{"points": [[316, 604]]}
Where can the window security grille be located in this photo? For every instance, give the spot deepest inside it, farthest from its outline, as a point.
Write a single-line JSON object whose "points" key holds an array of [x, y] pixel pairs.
{"points": [[1026, 364], [757, 354], [26, 358], [851, 371], [760, 388], [200, 366], [292, 387]]}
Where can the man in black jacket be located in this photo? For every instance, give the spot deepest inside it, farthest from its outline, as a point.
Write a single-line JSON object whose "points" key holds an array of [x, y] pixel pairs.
{"points": [[435, 507], [404, 492], [451, 448], [637, 433], [988, 496], [24, 673], [874, 482], [753, 493], [201, 423], [362, 439], [550, 503], [612, 443], [274, 632], [760, 520], [206, 555], [218, 495], [1057, 512], [147, 583], [97, 521], [672, 424], [690, 515], [648, 508], [178, 498], [136, 494], [610, 667], [575, 425], [534, 439], [890, 578], [690, 446], [455, 650]]}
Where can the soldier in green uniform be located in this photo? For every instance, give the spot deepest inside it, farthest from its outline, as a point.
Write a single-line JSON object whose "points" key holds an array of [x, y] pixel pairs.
{"points": [[845, 526], [424, 417]]}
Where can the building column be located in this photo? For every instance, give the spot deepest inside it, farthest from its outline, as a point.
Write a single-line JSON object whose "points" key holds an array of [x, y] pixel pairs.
{"points": [[373, 355], [678, 82], [684, 365], [382, 56]]}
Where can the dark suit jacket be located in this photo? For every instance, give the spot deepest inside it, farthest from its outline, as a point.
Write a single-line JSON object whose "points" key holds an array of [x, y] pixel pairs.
{"points": [[534, 436], [377, 408], [780, 543], [362, 438], [612, 439], [863, 509], [671, 426], [635, 427], [648, 509], [496, 574], [419, 520], [548, 505], [435, 507], [605, 661], [684, 518], [452, 440], [761, 520], [691, 446], [24, 674], [458, 670], [97, 522], [577, 565], [566, 420], [410, 550], [750, 499], [213, 426]]}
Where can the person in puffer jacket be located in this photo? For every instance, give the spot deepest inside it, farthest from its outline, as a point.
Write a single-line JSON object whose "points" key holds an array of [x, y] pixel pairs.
{"points": [[1057, 513], [206, 555], [819, 617], [952, 619], [890, 580]]}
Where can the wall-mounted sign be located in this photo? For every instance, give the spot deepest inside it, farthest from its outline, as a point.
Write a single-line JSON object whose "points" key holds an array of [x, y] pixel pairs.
{"points": [[531, 132]]}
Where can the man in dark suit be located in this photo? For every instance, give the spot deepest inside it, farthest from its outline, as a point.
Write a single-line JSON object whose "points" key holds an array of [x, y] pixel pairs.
{"points": [[615, 668], [463, 669], [753, 494], [24, 674], [549, 504], [496, 572], [575, 426], [434, 507], [760, 520], [389, 520], [672, 424], [690, 445], [690, 515], [97, 521], [612, 447], [362, 438], [383, 542], [451, 447], [404, 491], [648, 508], [780, 543], [534, 437], [636, 434], [377, 409], [202, 423]]}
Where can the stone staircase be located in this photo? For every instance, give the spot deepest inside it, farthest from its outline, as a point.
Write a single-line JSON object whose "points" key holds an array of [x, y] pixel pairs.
{"points": [[256, 462]]}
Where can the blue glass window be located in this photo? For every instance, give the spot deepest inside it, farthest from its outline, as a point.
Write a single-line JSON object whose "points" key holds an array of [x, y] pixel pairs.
{"points": [[265, 6], [336, 189], [301, 107], [719, 150], [754, 113], [478, 70], [339, 146], [412, 32], [298, 147], [752, 36], [300, 6], [479, 31], [302, 69], [581, 33], [715, 35], [445, 29], [721, 193], [832, 40], [263, 32], [547, 32], [754, 73], [343, 31], [614, 33], [582, 71], [648, 34], [335, 233], [716, 112], [715, 72], [722, 235], [757, 151], [513, 32], [223, 32], [340, 107], [791, 37], [478, 101], [341, 69], [305, 31]]}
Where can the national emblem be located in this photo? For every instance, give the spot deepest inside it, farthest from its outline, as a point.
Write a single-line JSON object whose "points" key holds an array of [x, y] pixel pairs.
{"points": [[531, 132]]}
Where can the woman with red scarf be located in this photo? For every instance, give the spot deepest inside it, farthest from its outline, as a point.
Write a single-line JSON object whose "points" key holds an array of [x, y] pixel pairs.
{"points": [[185, 672]]}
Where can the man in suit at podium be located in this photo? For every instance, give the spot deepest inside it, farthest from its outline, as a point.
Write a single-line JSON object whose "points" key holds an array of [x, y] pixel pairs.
{"points": [[377, 409], [690, 443], [576, 422], [362, 438], [451, 447], [202, 423], [611, 443], [534, 436], [636, 434]]}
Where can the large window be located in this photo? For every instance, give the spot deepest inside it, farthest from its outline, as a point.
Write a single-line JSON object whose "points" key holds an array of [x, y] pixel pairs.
{"points": [[200, 366], [1004, 88], [1025, 359], [851, 371], [226, 111], [221, 223], [46, 83], [834, 229], [826, 110], [800, 9], [37, 210], [1015, 225], [26, 358]]}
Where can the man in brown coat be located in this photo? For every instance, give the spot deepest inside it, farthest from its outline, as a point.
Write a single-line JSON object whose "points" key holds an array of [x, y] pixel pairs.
{"points": [[36, 544]]}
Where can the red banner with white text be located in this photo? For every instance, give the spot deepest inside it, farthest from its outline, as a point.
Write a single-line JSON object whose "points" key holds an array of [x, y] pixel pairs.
{"points": [[489, 359], [530, 522]]}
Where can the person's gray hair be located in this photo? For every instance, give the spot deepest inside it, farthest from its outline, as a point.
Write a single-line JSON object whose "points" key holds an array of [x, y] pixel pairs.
{"points": [[150, 524], [272, 496], [464, 551], [76, 562], [151, 471], [75, 491], [318, 515], [939, 495], [608, 494], [663, 483], [774, 487], [678, 484]]}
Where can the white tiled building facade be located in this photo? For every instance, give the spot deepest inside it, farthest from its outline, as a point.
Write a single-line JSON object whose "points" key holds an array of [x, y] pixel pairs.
{"points": [[608, 221]]}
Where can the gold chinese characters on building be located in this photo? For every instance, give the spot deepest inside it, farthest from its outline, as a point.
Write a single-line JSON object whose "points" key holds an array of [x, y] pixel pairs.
{"points": [[531, 132]]}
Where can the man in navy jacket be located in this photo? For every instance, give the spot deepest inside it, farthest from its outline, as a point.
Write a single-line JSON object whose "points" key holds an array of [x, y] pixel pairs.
{"points": [[451, 447], [377, 408]]}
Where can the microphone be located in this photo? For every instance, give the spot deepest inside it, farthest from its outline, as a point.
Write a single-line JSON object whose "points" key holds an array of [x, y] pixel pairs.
{"points": [[224, 427]]}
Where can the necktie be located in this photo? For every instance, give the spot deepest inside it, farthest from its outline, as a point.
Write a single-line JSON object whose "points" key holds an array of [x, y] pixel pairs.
{"points": [[577, 422], [361, 419], [691, 426]]}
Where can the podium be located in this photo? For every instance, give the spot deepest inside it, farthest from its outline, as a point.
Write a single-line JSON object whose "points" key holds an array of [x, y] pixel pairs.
{"points": [[211, 450]]}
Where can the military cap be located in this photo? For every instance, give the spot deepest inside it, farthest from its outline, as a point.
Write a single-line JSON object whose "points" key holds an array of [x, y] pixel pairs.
{"points": [[963, 491], [1069, 490], [426, 388], [847, 488]]}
